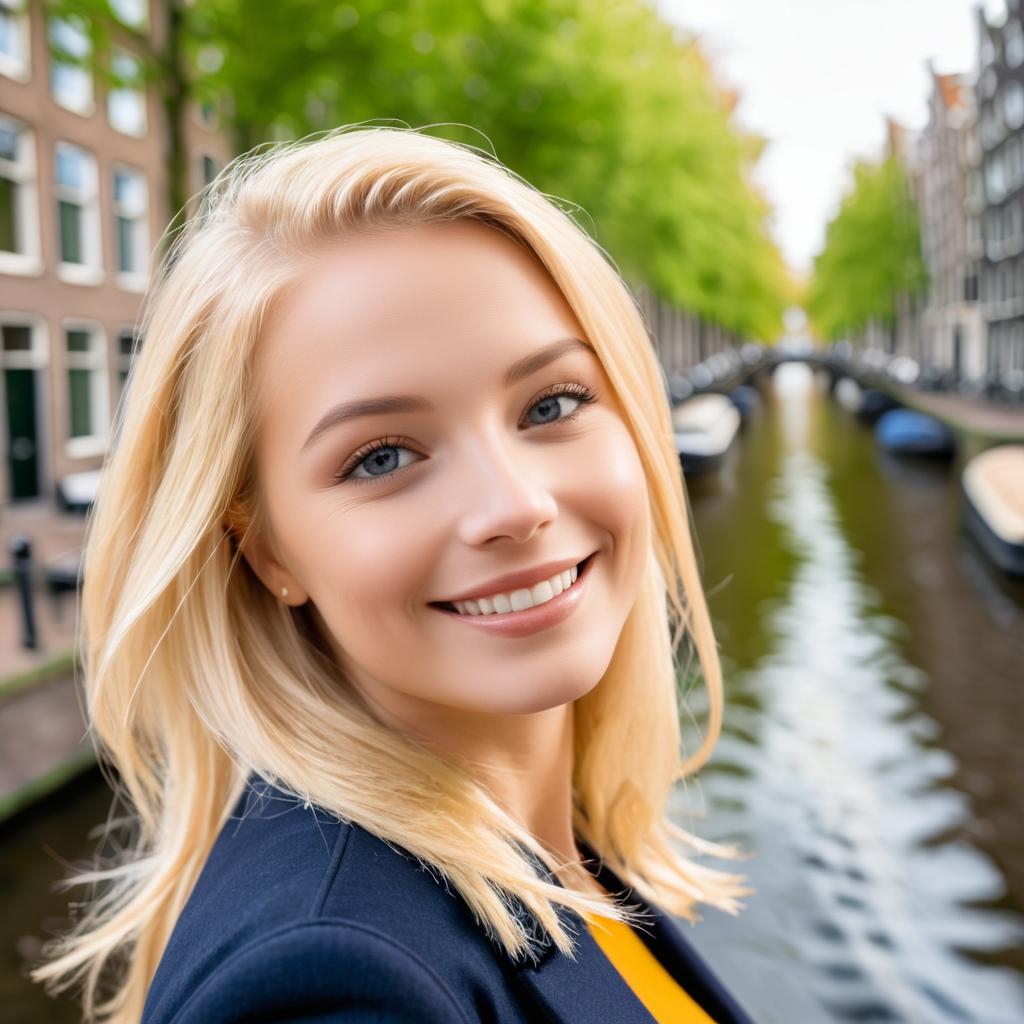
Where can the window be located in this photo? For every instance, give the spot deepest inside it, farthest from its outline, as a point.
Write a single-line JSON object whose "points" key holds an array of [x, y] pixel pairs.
{"points": [[19, 221], [127, 344], [70, 83], [1013, 104], [994, 181], [14, 47], [989, 81], [131, 12], [208, 113], [87, 391], [1013, 42], [126, 104], [78, 215], [209, 169], [131, 231]]}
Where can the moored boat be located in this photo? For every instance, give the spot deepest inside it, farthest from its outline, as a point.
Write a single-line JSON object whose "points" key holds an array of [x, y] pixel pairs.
{"points": [[705, 427], [909, 432], [992, 485], [875, 403], [747, 399]]}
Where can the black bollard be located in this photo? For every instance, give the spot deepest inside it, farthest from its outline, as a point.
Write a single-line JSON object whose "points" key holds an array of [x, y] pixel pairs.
{"points": [[21, 553]]}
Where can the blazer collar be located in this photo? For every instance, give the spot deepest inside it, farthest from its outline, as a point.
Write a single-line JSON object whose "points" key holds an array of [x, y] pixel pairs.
{"points": [[591, 988]]}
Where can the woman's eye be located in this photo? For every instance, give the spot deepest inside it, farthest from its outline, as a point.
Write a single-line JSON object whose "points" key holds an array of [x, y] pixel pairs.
{"points": [[380, 460]]}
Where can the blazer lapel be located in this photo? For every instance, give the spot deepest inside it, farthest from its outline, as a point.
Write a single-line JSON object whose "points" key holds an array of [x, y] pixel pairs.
{"points": [[591, 989], [581, 992]]}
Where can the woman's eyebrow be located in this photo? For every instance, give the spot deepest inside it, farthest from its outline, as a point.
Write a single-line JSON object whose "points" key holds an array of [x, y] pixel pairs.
{"points": [[518, 371]]}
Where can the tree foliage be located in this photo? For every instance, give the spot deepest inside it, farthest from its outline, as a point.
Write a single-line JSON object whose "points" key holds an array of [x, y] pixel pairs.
{"points": [[872, 253], [600, 104]]}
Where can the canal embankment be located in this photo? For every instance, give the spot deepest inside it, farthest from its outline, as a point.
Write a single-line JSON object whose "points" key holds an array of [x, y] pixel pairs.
{"points": [[43, 737]]}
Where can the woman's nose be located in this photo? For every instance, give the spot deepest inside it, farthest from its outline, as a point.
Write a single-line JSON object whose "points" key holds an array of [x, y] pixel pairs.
{"points": [[506, 491]]}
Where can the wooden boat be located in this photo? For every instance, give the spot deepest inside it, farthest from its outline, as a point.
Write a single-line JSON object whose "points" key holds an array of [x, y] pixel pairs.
{"points": [[909, 432], [705, 427], [992, 485]]}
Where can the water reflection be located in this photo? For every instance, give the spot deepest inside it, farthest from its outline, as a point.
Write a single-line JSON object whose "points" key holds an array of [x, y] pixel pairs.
{"points": [[834, 767]]}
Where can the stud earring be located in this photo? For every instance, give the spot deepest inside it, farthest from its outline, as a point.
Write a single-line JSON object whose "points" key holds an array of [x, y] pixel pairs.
{"points": [[284, 591]]}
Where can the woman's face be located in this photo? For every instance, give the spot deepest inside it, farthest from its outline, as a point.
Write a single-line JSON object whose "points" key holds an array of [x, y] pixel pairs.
{"points": [[456, 473]]}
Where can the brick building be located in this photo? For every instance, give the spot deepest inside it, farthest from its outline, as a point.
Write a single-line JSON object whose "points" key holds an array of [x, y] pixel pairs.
{"points": [[953, 328], [83, 203]]}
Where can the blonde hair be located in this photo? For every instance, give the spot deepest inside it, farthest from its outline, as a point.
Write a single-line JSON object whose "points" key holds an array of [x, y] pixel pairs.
{"points": [[195, 675]]}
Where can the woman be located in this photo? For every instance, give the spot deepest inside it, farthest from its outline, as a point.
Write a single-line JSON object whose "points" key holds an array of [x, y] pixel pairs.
{"points": [[383, 588]]}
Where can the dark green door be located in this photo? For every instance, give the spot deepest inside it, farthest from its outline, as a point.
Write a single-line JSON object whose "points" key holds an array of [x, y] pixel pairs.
{"points": [[22, 446]]}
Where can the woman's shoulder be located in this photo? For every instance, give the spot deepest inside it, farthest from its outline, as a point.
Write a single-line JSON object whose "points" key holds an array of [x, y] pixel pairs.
{"points": [[292, 898]]}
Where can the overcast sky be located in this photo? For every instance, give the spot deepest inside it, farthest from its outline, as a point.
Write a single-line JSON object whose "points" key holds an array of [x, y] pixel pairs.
{"points": [[818, 78]]}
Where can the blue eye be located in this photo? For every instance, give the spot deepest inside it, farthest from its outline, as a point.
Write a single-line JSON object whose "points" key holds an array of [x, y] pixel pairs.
{"points": [[380, 458]]}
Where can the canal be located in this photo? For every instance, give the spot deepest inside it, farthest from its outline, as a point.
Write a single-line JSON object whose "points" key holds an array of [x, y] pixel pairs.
{"points": [[871, 757]]}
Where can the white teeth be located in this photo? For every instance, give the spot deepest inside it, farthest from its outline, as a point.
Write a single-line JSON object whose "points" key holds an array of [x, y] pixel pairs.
{"points": [[519, 600]]}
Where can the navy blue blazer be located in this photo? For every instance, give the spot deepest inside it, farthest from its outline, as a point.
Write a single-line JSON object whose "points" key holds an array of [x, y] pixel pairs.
{"points": [[299, 917]]}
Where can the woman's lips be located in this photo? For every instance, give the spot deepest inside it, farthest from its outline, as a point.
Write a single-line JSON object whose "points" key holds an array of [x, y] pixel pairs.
{"points": [[531, 620]]}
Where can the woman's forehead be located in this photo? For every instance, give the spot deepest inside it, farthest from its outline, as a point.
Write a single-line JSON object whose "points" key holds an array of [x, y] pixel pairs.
{"points": [[446, 291]]}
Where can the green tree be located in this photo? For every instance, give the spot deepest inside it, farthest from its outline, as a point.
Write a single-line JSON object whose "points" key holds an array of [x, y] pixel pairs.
{"points": [[601, 105], [872, 253]]}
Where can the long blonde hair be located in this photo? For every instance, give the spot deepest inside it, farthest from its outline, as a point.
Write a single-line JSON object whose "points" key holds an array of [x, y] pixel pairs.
{"points": [[196, 676]]}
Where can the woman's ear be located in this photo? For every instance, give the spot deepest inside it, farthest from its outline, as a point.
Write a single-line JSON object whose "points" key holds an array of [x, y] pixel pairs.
{"points": [[259, 552]]}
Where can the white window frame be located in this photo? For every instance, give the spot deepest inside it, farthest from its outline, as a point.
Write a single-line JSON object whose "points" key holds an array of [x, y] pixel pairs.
{"points": [[36, 357], [19, 66], [22, 171], [83, 99], [90, 270], [134, 13], [135, 209], [127, 99], [95, 361]]}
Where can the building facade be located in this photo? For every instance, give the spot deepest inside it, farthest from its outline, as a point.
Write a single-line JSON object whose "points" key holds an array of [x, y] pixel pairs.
{"points": [[1000, 119], [953, 331], [905, 336], [83, 203]]}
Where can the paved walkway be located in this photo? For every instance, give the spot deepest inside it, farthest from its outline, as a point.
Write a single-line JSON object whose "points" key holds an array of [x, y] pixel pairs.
{"points": [[43, 740], [984, 419], [54, 537]]}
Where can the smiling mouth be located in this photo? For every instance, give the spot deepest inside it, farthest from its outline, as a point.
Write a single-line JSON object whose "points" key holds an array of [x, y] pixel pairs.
{"points": [[448, 606]]}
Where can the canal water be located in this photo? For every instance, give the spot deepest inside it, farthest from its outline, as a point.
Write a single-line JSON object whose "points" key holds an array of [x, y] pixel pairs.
{"points": [[871, 758]]}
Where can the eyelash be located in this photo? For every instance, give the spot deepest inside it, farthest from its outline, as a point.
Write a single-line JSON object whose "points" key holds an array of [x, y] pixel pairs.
{"points": [[578, 391]]}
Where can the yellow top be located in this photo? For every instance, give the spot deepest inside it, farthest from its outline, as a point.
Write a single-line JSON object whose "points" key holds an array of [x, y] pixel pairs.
{"points": [[665, 1000]]}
